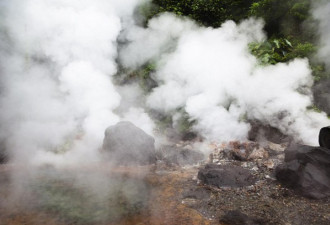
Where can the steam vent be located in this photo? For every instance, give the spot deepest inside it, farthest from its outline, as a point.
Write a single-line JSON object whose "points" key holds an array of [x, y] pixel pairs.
{"points": [[164, 112]]}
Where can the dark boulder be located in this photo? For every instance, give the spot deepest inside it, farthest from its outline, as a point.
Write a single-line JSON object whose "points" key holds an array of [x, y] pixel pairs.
{"points": [[306, 170], [127, 144], [3, 158], [324, 137], [226, 176], [180, 156], [321, 91], [236, 217], [261, 132], [3, 153]]}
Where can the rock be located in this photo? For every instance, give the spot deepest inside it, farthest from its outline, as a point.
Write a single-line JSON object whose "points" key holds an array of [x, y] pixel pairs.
{"points": [[226, 176], [324, 137], [242, 150], [306, 170], [3, 158], [3, 154], [270, 164], [258, 153], [308, 154], [239, 151], [180, 156], [321, 92], [260, 132], [127, 144], [276, 147], [236, 217]]}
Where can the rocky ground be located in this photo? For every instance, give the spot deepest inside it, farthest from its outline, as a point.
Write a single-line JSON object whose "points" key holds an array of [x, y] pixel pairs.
{"points": [[175, 192], [264, 202]]}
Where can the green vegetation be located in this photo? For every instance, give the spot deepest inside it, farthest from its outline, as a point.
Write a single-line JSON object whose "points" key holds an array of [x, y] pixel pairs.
{"points": [[282, 17], [142, 75], [284, 22], [206, 12], [185, 124], [275, 50]]}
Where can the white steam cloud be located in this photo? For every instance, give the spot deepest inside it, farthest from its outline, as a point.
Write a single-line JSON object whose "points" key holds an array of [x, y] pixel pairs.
{"points": [[58, 59], [211, 74], [57, 76], [321, 12]]}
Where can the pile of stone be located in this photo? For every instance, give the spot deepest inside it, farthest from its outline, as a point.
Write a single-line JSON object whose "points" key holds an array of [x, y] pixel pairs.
{"points": [[268, 155], [306, 169], [240, 164]]}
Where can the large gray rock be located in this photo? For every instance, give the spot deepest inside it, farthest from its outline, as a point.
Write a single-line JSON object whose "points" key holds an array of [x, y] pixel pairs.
{"points": [[307, 170], [127, 144]]}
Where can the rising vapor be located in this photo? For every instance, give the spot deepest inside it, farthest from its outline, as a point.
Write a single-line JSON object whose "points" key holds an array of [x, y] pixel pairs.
{"points": [[58, 59], [57, 76], [321, 12], [211, 74]]}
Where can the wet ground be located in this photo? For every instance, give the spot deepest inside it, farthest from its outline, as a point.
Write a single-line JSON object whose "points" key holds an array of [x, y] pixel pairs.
{"points": [[145, 195]]}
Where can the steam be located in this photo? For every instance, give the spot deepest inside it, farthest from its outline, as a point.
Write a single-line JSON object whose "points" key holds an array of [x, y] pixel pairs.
{"points": [[57, 77], [321, 12], [211, 74], [58, 59]]}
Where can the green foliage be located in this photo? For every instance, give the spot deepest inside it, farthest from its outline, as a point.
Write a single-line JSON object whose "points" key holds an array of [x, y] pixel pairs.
{"points": [[145, 79], [319, 72], [185, 123], [207, 12], [314, 108], [143, 76], [282, 17], [273, 50]]}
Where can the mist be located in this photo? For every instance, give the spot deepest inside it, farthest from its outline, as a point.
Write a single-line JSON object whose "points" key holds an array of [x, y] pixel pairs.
{"points": [[58, 92], [58, 61], [63, 65], [321, 12], [213, 77]]}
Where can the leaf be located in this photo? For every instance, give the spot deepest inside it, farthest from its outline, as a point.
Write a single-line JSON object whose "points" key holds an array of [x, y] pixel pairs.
{"points": [[277, 43], [288, 42]]}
